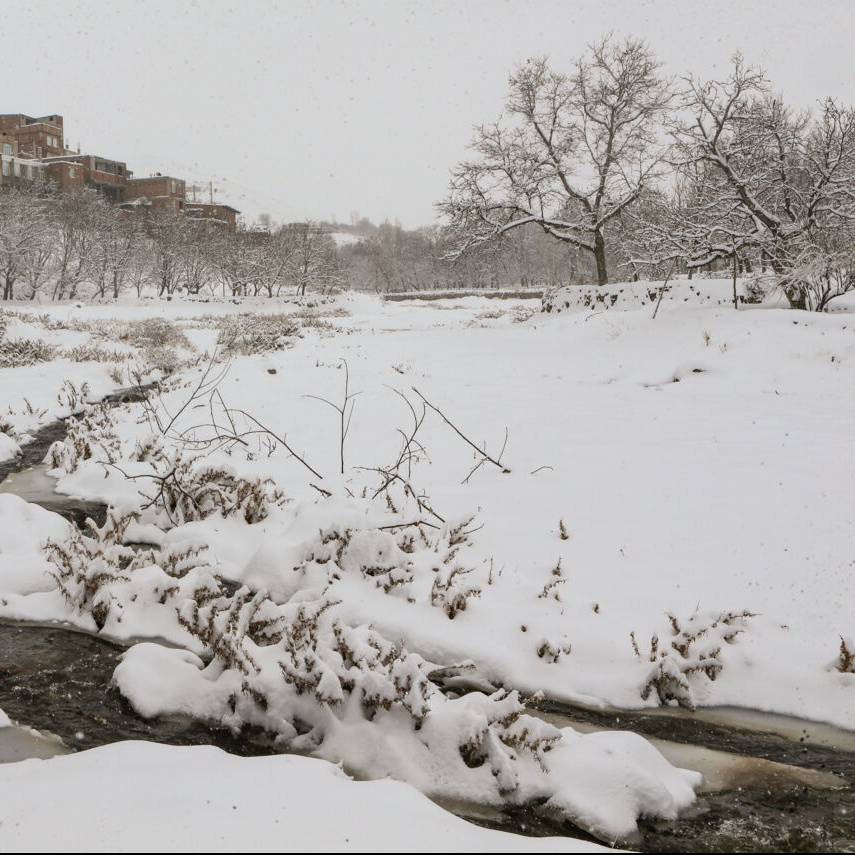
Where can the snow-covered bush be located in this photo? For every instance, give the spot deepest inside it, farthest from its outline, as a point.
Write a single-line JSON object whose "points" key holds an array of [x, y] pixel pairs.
{"points": [[694, 652], [88, 565], [19, 353], [188, 490], [299, 673], [94, 353], [150, 449], [551, 590], [72, 398], [163, 359], [349, 694], [248, 334], [92, 436], [635, 295], [451, 590], [154, 333], [846, 656], [365, 539]]}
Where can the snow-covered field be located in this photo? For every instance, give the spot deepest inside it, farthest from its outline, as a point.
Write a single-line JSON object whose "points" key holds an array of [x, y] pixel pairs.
{"points": [[686, 478]]}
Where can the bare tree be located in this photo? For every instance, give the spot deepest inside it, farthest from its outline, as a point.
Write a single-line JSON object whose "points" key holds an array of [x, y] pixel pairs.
{"points": [[766, 181], [313, 260], [166, 232], [24, 230], [570, 153]]}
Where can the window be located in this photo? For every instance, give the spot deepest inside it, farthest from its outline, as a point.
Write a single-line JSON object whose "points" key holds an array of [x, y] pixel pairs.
{"points": [[7, 148], [6, 168]]}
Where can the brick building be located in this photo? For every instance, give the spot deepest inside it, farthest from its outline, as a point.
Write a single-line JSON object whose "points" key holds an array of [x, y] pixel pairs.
{"points": [[14, 169], [67, 176], [213, 212], [157, 192], [109, 177], [37, 137], [33, 148]]}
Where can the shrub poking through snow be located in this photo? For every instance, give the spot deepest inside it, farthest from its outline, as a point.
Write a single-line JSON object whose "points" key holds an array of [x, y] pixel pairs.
{"points": [[846, 656], [72, 398], [551, 588], [99, 576], [150, 449], [86, 565], [161, 359], [20, 353], [95, 353], [152, 333], [249, 334], [301, 674], [93, 436], [694, 652], [187, 490], [451, 591], [552, 651], [412, 560]]}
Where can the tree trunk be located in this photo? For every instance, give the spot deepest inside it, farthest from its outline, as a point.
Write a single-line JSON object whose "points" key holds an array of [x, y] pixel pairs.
{"points": [[600, 257], [735, 271]]}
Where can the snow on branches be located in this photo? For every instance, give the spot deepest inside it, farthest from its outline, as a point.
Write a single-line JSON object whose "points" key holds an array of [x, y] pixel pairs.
{"points": [[694, 652], [92, 436]]}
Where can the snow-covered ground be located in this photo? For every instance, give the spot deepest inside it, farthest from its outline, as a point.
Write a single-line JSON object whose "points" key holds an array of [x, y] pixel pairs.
{"points": [[686, 477], [144, 797]]}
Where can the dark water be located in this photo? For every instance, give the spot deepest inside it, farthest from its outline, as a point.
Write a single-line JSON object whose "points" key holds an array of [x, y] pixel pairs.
{"points": [[33, 453], [58, 680]]}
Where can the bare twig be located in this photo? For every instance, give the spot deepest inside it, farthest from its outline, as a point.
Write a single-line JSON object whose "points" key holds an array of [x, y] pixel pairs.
{"points": [[497, 462], [345, 411]]}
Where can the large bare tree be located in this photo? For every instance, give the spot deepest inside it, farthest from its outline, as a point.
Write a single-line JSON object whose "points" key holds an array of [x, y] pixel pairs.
{"points": [[569, 154], [759, 184]]}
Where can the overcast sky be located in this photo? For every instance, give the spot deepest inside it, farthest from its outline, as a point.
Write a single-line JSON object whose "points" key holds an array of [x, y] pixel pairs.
{"points": [[319, 109]]}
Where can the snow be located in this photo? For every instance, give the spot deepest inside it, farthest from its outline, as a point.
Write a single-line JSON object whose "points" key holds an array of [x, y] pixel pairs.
{"points": [[346, 238], [161, 798], [700, 463], [25, 527]]}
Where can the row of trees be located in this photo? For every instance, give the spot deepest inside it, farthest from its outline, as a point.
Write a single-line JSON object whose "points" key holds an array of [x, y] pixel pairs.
{"points": [[68, 245], [57, 246], [390, 258], [638, 171]]}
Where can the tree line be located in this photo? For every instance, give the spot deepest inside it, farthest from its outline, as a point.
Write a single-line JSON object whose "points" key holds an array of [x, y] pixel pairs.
{"points": [[605, 170], [645, 174], [61, 246]]}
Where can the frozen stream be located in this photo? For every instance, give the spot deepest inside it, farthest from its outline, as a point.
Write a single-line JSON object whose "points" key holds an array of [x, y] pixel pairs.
{"points": [[771, 783]]}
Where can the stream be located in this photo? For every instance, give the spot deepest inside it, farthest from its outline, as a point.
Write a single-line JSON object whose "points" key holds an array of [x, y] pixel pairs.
{"points": [[771, 783]]}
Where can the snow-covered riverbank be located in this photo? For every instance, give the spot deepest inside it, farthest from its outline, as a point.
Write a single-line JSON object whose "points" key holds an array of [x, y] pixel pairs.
{"points": [[685, 477]]}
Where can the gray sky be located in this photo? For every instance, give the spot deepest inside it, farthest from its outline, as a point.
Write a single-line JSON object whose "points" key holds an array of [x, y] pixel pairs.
{"points": [[315, 109]]}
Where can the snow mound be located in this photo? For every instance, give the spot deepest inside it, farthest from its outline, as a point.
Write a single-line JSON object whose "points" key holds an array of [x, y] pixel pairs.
{"points": [[634, 295], [163, 798]]}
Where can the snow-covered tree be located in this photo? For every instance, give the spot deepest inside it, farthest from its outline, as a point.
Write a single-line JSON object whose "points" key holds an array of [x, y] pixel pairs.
{"points": [[759, 180], [570, 153], [24, 235]]}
